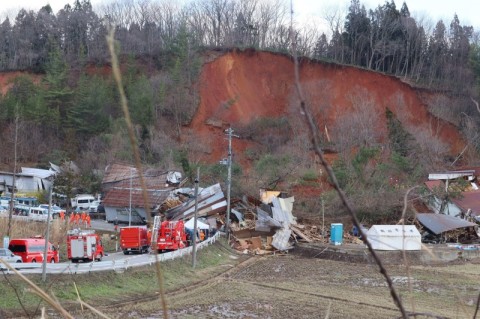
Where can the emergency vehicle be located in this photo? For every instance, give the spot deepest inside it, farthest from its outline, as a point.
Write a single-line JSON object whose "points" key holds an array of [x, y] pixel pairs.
{"points": [[168, 235], [134, 239], [84, 245], [32, 250]]}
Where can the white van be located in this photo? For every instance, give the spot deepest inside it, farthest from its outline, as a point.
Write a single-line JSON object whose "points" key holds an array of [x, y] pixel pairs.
{"points": [[38, 214], [82, 201]]}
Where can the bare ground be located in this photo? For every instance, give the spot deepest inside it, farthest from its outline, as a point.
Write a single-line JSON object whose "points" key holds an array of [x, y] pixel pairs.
{"points": [[280, 286], [293, 287]]}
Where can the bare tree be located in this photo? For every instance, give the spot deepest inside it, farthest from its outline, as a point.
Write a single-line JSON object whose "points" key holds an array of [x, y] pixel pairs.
{"points": [[357, 127]]}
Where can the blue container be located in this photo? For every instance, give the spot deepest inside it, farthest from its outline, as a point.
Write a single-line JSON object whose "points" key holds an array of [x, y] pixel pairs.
{"points": [[336, 234]]}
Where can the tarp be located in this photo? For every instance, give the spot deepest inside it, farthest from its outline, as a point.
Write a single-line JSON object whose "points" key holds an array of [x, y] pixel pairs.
{"points": [[439, 223], [394, 237], [200, 225]]}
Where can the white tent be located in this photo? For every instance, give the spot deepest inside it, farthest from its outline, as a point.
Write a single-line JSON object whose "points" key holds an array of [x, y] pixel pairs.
{"points": [[394, 237], [200, 225]]}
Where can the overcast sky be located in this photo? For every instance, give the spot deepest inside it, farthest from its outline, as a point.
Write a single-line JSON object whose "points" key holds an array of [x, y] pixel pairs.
{"points": [[467, 10]]}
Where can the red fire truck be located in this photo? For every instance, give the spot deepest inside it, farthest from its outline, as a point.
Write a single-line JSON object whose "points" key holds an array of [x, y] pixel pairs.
{"points": [[84, 245], [134, 239], [170, 236]]}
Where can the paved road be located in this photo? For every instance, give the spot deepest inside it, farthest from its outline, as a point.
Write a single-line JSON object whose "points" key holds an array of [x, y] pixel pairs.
{"points": [[100, 224], [116, 261]]}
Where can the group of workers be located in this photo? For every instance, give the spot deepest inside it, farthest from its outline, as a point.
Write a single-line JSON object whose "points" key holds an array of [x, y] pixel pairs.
{"points": [[79, 219]]}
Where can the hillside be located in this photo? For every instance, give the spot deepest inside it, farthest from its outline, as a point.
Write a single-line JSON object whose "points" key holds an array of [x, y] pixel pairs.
{"points": [[254, 93], [238, 88]]}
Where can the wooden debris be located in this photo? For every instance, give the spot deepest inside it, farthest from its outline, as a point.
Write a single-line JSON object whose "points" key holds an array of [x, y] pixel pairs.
{"points": [[256, 242], [299, 233]]}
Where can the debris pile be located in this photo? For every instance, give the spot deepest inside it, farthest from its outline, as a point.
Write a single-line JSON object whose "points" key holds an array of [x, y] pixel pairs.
{"points": [[268, 225], [440, 228], [257, 226]]}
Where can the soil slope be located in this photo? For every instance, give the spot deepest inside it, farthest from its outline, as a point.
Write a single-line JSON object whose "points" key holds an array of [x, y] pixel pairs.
{"points": [[238, 87]]}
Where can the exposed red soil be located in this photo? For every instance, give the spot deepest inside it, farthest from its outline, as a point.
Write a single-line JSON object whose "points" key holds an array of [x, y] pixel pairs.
{"points": [[6, 79], [239, 87]]}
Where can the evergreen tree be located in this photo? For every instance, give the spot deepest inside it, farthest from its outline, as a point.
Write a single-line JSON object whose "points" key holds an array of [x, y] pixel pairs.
{"points": [[57, 93], [357, 33], [88, 114]]}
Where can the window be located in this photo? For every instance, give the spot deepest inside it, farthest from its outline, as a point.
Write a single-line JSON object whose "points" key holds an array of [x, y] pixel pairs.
{"points": [[37, 248], [19, 248]]}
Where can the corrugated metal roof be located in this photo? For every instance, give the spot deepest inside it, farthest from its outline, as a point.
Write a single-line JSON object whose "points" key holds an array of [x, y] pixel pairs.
{"points": [[118, 172], [37, 172], [439, 223], [469, 200], [120, 197], [211, 199], [156, 186], [282, 210], [151, 182]]}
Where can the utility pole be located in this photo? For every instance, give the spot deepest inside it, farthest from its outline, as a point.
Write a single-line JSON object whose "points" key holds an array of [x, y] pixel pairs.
{"points": [[229, 131], [14, 177], [130, 201], [194, 254], [47, 236]]}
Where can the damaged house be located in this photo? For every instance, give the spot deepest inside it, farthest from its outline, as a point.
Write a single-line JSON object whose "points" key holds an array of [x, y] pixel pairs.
{"points": [[181, 203], [124, 200], [29, 180], [267, 225], [455, 202]]}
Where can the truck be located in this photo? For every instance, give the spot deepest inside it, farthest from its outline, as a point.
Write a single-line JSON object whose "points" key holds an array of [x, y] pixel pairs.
{"points": [[84, 245], [134, 239], [32, 250], [170, 235]]}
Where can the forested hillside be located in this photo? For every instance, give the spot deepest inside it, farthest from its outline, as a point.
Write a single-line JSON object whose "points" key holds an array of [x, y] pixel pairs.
{"points": [[394, 99]]}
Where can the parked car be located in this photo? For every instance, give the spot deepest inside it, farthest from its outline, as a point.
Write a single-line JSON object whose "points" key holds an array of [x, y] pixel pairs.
{"points": [[94, 206], [38, 214], [9, 257], [3, 209], [55, 210]]}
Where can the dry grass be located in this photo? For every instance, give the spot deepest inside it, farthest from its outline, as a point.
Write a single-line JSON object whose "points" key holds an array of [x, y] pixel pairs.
{"points": [[107, 291], [27, 229]]}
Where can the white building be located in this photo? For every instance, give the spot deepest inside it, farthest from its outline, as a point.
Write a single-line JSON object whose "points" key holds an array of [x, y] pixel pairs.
{"points": [[394, 237]]}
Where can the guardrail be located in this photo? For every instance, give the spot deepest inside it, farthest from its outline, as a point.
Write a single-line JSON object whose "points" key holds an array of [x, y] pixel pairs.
{"points": [[118, 265]]}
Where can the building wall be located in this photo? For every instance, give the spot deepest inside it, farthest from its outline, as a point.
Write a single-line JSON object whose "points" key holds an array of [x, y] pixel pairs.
{"points": [[121, 215]]}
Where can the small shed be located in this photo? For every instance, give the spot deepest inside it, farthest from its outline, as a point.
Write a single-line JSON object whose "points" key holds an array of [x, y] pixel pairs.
{"points": [[394, 237]]}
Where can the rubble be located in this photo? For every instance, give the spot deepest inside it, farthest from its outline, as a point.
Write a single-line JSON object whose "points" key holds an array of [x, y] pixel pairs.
{"points": [[268, 225]]}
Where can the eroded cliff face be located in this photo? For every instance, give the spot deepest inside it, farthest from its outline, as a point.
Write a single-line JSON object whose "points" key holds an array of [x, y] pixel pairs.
{"points": [[238, 87]]}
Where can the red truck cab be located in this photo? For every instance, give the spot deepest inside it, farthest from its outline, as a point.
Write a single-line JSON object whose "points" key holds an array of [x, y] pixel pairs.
{"points": [[32, 250], [134, 239]]}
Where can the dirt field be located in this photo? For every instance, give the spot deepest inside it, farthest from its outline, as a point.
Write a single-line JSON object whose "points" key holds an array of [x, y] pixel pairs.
{"points": [[225, 285], [293, 287]]}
